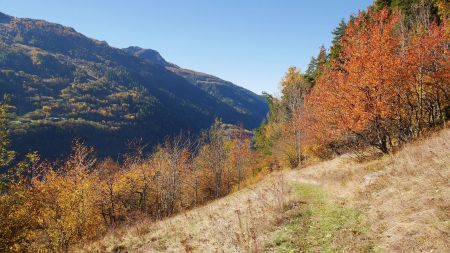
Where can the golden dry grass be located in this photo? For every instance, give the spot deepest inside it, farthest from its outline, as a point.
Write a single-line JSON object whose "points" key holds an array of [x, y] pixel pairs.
{"points": [[405, 198], [237, 223]]}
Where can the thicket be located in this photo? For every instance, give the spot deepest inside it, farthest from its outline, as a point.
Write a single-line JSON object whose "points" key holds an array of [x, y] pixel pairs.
{"points": [[383, 82], [53, 206]]}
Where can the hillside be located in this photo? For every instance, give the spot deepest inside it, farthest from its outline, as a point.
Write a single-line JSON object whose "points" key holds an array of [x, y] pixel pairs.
{"points": [[65, 85], [392, 203]]}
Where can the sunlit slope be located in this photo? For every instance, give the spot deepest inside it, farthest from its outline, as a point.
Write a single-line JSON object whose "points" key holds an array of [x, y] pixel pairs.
{"points": [[397, 203]]}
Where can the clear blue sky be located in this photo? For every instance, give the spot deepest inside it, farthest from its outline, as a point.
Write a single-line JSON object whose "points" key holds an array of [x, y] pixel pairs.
{"points": [[248, 42]]}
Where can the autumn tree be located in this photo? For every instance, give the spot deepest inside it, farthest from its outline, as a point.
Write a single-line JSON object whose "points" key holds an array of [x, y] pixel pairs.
{"points": [[389, 84], [362, 96], [427, 68], [294, 88], [177, 155], [239, 156], [107, 174], [212, 156], [67, 198]]}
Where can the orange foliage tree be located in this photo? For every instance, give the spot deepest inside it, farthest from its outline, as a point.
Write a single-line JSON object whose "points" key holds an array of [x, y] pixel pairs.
{"points": [[383, 90]]}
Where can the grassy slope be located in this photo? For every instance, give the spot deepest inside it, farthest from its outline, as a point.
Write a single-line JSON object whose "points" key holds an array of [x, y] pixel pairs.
{"points": [[397, 203], [405, 197]]}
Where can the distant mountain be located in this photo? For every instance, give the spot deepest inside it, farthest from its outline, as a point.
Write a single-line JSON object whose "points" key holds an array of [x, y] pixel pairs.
{"points": [[64, 85], [242, 100]]}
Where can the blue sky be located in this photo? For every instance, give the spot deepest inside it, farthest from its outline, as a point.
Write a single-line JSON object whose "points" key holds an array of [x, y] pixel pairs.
{"points": [[248, 42]]}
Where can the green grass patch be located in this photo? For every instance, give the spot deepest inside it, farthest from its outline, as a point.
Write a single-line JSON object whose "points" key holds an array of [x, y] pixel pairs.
{"points": [[313, 223]]}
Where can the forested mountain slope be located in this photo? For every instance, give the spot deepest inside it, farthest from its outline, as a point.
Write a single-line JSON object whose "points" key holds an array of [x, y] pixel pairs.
{"points": [[64, 85]]}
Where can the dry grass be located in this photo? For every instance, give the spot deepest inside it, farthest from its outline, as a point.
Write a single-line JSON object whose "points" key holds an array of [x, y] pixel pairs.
{"points": [[237, 223], [405, 198]]}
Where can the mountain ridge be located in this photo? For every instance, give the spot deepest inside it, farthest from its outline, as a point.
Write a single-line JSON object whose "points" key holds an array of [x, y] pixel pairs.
{"points": [[223, 90]]}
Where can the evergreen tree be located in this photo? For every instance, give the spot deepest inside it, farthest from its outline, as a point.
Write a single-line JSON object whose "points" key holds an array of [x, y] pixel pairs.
{"points": [[336, 47], [316, 66], [310, 73], [6, 156], [417, 11]]}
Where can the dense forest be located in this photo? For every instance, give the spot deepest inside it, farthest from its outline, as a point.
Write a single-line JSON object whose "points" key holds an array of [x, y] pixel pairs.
{"points": [[63, 85], [383, 83]]}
